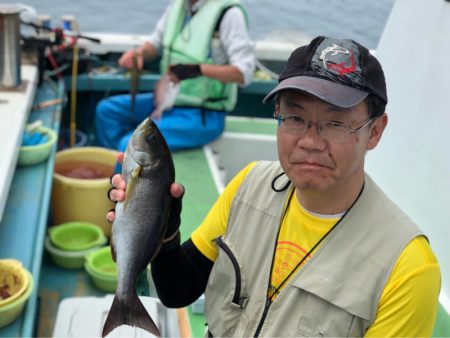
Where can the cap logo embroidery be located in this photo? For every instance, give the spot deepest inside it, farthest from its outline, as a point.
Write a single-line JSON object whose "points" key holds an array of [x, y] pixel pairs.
{"points": [[342, 68]]}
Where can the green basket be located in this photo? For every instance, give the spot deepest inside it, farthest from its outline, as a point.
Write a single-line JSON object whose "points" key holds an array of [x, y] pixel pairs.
{"points": [[102, 269], [76, 236], [34, 154]]}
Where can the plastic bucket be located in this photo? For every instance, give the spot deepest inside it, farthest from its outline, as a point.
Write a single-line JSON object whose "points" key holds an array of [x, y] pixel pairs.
{"points": [[80, 199]]}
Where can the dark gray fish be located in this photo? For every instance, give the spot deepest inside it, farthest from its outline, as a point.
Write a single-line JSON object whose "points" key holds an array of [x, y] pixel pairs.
{"points": [[135, 74], [141, 222]]}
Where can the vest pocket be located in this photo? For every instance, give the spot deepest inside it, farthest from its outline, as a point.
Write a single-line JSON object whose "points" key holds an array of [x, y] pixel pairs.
{"points": [[224, 297], [321, 318]]}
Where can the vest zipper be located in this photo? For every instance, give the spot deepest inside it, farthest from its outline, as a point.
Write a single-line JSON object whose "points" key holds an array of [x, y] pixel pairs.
{"points": [[237, 300], [268, 299], [264, 315]]}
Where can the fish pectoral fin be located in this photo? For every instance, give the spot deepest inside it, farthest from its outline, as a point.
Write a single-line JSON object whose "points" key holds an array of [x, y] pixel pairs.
{"points": [[136, 172], [113, 248], [131, 185], [129, 311]]}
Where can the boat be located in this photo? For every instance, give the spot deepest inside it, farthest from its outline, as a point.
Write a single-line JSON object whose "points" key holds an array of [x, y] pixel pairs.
{"points": [[26, 192], [47, 97]]}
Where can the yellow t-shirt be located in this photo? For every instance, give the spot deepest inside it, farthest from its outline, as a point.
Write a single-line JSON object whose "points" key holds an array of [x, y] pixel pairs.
{"points": [[407, 305]]}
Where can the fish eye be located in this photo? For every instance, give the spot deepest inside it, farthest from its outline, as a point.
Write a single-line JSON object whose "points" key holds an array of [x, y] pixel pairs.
{"points": [[151, 138]]}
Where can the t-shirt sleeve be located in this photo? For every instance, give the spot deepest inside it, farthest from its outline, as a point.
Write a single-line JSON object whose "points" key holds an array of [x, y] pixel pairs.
{"points": [[156, 37], [408, 304], [237, 44]]}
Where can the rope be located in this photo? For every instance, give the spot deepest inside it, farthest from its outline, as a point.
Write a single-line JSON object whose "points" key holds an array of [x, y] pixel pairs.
{"points": [[73, 106]]}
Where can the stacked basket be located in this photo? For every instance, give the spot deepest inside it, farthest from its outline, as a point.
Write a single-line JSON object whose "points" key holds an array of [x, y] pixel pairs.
{"points": [[75, 245], [70, 242], [102, 269]]}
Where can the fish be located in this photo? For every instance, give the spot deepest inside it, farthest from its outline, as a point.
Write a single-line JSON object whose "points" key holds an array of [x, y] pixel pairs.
{"points": [[135, 74], [141, 222], [165, 94]]}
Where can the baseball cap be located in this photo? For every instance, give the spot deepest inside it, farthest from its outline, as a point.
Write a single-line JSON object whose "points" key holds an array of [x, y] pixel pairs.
{"points": [[339, 71]]}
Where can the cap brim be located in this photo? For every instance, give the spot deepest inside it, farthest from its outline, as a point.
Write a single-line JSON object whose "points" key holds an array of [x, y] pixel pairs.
{"points": [[331, 92]]}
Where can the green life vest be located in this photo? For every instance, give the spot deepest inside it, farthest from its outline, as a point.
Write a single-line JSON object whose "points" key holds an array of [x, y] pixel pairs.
{"points": [[190, 42]]}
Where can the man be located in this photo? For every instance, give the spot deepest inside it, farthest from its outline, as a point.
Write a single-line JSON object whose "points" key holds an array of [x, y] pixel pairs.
{"points": [[205, 45], [309, 245]]}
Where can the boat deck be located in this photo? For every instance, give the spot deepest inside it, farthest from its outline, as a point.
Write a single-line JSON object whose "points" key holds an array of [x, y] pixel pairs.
{"points": [[193, 171]]}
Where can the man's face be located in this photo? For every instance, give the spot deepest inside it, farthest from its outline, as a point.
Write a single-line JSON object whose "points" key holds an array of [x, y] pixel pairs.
{"points": [[319, 165]]}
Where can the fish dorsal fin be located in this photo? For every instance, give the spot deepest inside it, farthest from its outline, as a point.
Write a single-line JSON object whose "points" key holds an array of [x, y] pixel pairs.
{"points": [[131, 184]]}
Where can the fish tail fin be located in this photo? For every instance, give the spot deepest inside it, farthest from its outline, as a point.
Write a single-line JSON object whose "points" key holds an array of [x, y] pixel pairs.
{"points": [[129, 312]]}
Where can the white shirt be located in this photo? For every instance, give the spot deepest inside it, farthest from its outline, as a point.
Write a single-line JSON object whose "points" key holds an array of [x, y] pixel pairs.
{"points": [[233, 46]]}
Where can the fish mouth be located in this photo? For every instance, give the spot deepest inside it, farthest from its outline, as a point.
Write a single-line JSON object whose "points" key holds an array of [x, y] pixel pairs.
{"points": [[148, 132], [145, 145], [148, 126]]}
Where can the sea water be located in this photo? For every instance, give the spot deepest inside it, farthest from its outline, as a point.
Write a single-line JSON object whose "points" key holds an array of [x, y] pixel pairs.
{"points": [[361, 20]]}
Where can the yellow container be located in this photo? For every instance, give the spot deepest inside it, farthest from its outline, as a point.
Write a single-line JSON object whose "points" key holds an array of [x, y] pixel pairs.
{"points": [[80, 199], [13, 280], [11, 311]]}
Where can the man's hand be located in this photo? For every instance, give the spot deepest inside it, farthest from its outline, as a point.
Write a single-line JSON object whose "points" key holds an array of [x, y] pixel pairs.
{"points": [[126, 60], [185, 71], [117, 194]]}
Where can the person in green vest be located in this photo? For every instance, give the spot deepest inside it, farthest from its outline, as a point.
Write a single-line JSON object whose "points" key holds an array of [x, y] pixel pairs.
{"points": [[203, 45], [308, 245]]}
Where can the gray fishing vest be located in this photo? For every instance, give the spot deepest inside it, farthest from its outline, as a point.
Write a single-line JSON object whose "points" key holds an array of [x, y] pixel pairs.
{"points": [[335, 294]]}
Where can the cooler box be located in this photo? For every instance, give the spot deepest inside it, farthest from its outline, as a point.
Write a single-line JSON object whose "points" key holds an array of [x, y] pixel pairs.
{"points": [[85, 316]]}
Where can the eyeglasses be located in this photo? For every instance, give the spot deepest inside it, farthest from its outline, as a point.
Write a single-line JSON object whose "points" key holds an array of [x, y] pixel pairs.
{"points": [[329, 130]]}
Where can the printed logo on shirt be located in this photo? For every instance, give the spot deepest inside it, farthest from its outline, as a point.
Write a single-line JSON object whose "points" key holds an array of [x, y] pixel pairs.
{"points": [[287, 256]]}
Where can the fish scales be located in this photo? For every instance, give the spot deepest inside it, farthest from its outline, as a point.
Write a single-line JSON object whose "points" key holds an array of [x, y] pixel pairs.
{"points": [[141, 222]]}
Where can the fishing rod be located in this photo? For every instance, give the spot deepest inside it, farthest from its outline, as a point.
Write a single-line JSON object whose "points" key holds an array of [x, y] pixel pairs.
{"points": [[66, 32]]}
